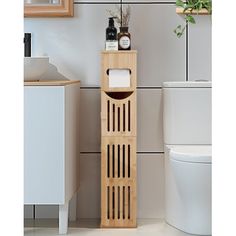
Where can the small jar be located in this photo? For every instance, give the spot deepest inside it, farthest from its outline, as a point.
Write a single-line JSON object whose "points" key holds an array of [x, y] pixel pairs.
{"points": [[124, 39]]}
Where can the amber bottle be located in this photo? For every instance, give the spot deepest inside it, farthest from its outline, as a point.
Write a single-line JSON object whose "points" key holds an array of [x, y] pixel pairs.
{"points": [[124, 39]]}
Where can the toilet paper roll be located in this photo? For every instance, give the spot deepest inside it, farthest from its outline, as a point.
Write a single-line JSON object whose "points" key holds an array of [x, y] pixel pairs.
{"points": [[119, 78]]}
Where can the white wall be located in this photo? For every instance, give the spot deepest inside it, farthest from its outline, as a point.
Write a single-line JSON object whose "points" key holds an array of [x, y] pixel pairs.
{"points": [[74, 45]]}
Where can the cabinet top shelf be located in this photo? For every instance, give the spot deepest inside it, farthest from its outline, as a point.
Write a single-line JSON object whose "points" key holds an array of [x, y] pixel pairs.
{"points": [[180, 10], [120, 51], [50, 82]]}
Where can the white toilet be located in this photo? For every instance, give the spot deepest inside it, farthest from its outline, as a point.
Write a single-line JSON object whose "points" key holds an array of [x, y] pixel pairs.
{"points": [[187, 138]]}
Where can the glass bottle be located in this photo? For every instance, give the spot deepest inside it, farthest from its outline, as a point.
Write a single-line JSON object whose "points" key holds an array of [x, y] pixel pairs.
{"points": [[124, 39]]}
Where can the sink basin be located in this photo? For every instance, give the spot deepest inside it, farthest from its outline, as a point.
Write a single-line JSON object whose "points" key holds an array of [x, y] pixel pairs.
{"points": [[35, 67]]}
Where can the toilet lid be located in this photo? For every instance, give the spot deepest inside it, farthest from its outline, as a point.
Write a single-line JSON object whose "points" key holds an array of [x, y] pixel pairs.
{"points": [[188, 153]]}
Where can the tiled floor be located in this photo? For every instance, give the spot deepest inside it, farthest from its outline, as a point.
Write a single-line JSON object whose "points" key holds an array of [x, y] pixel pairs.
{"points": [[146, 227]]}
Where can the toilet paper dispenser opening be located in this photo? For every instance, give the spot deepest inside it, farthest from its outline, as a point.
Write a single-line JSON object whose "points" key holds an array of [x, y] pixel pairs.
{"points": [[119, 78], [119, 70]]}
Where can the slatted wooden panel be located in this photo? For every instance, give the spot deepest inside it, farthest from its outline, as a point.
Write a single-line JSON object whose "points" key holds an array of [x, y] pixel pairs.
{"points": [[118, 115], [118, 182], [118, 145]]}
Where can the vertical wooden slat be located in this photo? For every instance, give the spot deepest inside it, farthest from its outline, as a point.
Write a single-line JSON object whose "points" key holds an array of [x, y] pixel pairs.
{"points": [[123, 117], [113, 202], [133, 203], [126, 116], [103, 186], [110, 203], [121, 161], [107, 162], [129, 116], [126, 161], [123, 205], [126, 202], [133, 160], [116, 202], [118, 161], [128, 157], [133, 190], [114, 117], [118, 118], [133, 113], [110, 116], [111, 160], [121, 202], [129, 203]]}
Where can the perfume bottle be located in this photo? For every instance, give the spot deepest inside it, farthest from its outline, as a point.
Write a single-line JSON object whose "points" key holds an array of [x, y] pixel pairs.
{"points": [[111, 36], [124, 39]]}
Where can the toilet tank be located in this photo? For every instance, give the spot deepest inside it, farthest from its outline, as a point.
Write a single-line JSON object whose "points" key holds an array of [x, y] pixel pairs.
{"points": [[187, 112]]}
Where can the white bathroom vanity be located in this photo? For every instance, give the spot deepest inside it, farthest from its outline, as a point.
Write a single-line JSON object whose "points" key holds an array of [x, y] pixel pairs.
{"points": [[51, 144]]}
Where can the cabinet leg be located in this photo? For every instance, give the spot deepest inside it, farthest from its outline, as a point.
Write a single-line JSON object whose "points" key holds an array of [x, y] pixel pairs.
{"points": [[63, 218]]}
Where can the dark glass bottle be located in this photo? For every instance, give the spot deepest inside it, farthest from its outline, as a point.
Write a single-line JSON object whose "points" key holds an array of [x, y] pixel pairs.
{"points": [[111, 31], [27, 44], [124, 39]]}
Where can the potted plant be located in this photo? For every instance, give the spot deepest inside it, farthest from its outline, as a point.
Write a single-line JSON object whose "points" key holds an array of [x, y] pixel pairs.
{"points": [[190, 8]]}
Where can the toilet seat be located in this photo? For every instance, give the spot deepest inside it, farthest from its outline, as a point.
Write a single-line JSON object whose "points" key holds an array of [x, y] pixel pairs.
{"points": [[191, 153]]}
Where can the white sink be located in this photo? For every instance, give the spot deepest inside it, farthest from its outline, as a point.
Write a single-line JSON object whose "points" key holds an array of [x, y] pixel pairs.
{"points": [[35, 67]]}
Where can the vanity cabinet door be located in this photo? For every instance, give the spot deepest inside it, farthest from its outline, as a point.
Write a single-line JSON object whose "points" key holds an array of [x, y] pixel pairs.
{"points": [[44, 145]]}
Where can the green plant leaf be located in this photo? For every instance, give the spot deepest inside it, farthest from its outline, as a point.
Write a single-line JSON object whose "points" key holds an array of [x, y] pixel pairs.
{"points": [[200, 6], [190, 5], [179, 30], [190, 19], [180, 3], [179, 34]]}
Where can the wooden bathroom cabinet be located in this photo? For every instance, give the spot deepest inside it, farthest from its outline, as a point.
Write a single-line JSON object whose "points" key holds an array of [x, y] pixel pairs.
{"points": [[118, 141], [51, 148]]}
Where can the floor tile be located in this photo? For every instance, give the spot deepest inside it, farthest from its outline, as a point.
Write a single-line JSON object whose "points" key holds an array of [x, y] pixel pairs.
{"points": [[146, 227]]}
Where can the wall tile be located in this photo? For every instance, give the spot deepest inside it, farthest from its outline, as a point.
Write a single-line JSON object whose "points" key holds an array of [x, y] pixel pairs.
{"points": [[90, 123], [90, 182], [200, 49], [151, 199], [46, 211], [28, 212], [161, 55], [74, 44], [150, 134]]}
